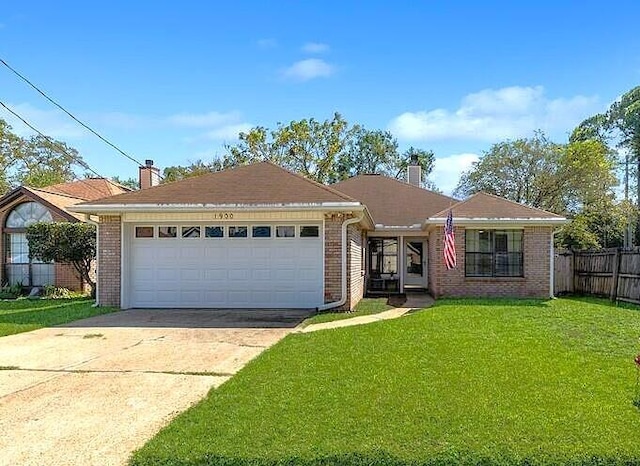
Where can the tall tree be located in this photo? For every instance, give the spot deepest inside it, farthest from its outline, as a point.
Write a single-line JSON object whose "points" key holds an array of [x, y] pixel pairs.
{"points": [[540, 173], [34, 161], [324, 151]]}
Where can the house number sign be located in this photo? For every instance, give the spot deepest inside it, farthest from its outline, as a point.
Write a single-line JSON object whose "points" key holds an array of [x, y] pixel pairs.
{"points": [[223, 216]]}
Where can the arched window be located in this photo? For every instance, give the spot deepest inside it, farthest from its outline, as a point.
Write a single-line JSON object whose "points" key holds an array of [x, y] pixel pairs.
{"points": [[26, 214], [19, 268]]}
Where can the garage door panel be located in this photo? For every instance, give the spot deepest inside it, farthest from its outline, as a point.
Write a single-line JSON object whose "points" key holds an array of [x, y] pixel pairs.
{"points": [[226, 272]]}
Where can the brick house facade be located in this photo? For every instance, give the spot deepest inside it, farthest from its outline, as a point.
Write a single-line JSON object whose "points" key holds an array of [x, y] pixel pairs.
{"points": [[155, 244]]}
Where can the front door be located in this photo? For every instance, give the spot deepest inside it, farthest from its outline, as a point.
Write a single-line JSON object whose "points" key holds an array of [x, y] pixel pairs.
{"points": [[415, 273]]}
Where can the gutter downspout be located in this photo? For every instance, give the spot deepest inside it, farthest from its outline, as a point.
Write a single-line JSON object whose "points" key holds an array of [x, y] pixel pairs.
{"points": [[343, 298], [552, 265]]}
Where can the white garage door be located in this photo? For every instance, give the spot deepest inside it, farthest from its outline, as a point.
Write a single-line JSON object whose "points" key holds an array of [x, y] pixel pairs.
{"points": [[244, 266]]}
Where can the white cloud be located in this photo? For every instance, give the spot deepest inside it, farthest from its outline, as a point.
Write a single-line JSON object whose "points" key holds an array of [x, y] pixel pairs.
{"points": [[203, 120], [447, 170], [267, 43], [494, 114], [315, 47], [228, 131], [52, 123], [311, 68]]}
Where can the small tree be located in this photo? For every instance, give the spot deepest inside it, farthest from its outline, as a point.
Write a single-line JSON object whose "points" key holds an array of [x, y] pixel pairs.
{"points": [[65, 242]]}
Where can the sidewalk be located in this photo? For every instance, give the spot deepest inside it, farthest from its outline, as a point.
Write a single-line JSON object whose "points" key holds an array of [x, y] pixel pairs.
{"points": [[413, 302]]}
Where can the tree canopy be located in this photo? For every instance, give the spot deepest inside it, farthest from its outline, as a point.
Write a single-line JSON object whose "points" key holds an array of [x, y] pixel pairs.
{"points": [[65, 242], [537, 172], [34, 161], [324, 151]]}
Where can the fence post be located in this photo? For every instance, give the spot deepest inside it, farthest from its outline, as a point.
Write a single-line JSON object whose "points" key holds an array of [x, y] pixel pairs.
{"points": [[613, 296], [574, 278]]}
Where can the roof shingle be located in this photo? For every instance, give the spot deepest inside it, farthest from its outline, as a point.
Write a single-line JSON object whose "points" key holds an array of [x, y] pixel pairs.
{"points": [[257, 184], [487, 206], [393, 202]]}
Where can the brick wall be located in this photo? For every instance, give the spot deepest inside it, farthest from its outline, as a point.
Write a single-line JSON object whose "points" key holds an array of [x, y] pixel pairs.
{"points": [[332, 257], [535, 282], [109, 241]]}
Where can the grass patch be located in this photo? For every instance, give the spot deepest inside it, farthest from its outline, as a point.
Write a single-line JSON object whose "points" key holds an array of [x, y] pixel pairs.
{"points": [[9, 368], [92, 335], [23, 315], [365, 307], [470, 382]]}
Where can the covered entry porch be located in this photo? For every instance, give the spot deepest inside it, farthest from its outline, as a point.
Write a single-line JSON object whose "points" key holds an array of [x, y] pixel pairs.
{"points": [[396, 263]]}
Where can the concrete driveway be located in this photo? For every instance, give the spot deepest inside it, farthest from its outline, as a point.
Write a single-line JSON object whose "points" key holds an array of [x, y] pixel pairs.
{"points": [[93, 391]]}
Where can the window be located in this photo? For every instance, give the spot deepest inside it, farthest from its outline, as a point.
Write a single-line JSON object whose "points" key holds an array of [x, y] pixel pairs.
{"points": [[167, 232], [214, 232], [19, 268], [237, 232], [383, 256], [191, 232], [309, 231], [261, 232], [26, 214], [144, 232], [285, 231], [494, 253]]}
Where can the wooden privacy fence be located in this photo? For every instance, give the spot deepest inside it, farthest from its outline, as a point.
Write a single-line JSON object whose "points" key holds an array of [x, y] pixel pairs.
{"points": [[614, 273]]}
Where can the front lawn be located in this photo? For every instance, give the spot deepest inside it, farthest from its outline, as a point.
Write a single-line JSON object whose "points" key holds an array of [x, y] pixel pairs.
{"points": [[468, 382], [23, 315], [365, 307]]}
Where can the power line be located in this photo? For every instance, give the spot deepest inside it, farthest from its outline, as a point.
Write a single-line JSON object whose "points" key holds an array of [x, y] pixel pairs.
{"points": [[84, 125], [56, 145]]}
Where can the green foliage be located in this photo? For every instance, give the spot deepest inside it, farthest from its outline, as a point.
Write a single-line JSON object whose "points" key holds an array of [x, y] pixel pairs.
{"points": [[540, 173], [65, 242], [34, 161], [523, 382], [24, 315], [55, 292], [324, 151], [130, 183], [11, 291]]}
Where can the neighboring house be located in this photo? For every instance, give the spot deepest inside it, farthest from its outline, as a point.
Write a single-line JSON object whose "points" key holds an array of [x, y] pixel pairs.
{"points": [[259, 236], [23, 206]]}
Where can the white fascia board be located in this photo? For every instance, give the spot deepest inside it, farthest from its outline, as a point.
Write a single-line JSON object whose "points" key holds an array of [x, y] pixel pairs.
{"points": [[117, 208], [414, 227], [492, 222]]}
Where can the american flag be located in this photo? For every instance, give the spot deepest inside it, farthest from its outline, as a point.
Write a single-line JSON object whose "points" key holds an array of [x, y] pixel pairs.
{"points": [[449, 243]]}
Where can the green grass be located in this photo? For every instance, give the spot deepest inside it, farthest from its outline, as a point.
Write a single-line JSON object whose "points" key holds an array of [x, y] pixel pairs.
{"points": [[365, 307], [23, 315], [469, 382]]}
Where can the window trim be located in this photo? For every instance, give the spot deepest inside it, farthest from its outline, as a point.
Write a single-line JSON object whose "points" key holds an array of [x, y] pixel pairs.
{"points": [[276, 226], [270, 227], [308, 236], [153, 232], [168, 237], [246, 227], [214, 237], [493, 254]]}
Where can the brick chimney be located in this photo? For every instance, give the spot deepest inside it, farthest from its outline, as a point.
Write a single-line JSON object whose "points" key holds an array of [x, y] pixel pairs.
{"points": [[414, 171], [149, 175]]}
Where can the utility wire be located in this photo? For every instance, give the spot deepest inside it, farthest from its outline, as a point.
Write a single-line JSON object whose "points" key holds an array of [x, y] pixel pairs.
{"points": [[56, 145], [84, 125]]}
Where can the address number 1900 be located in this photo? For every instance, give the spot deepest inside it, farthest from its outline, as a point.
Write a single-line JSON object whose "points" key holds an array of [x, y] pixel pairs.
{"points": [[223, 215]]}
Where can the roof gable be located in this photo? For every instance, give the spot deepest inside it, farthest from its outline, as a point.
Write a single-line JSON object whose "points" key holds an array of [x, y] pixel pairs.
{"points": [[393, 202], [490, 207], [257, 184]]}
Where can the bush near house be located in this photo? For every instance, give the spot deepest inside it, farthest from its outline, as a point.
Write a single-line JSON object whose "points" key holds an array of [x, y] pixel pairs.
{"points": [[464, 382]]}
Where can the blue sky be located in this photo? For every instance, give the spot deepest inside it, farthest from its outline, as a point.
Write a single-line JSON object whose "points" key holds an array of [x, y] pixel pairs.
{"points": [[174, 81]]}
